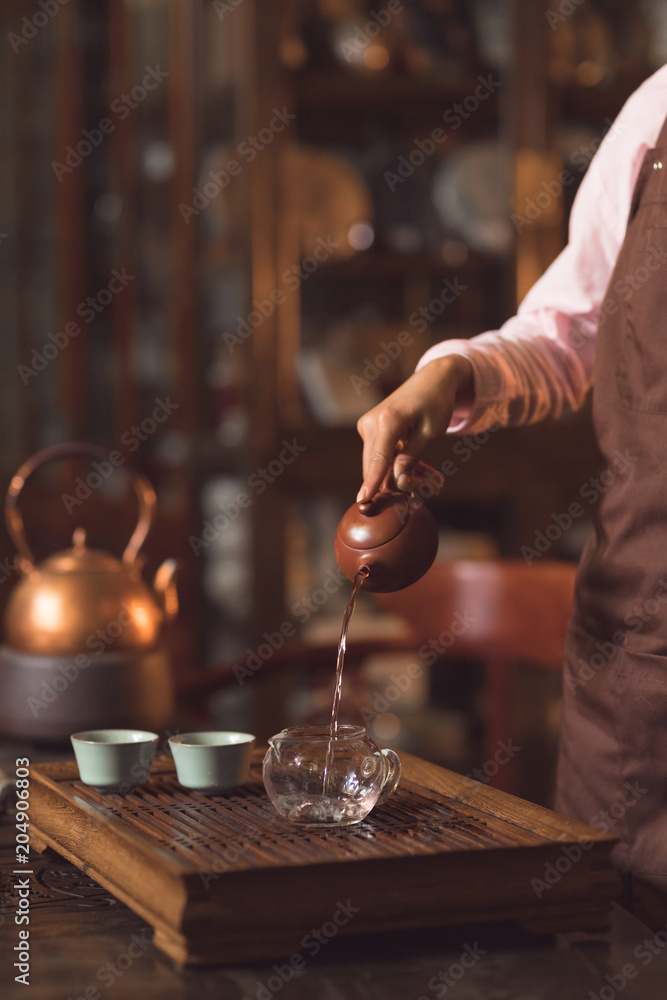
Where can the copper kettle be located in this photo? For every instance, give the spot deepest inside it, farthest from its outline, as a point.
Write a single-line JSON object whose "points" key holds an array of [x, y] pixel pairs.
{"points": [[83, 628], [393, 535]]}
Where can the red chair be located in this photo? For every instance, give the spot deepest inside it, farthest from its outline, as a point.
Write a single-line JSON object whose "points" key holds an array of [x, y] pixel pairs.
{"points": [[505, 613]]}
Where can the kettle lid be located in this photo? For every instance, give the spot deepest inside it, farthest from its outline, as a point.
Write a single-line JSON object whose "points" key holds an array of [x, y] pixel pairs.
{"points": [[370, 523], [80, 559]]}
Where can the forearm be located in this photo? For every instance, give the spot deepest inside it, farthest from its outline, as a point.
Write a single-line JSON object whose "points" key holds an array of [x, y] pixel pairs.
{"points": [[519, 374]]}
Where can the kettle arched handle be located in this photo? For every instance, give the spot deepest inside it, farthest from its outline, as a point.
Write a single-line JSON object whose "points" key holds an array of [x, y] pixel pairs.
{"points": [[144, 492]]}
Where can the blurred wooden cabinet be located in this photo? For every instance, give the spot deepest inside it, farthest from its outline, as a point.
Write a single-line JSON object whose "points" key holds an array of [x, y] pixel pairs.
{"points": [[109, 282], [258, 215], [453, 138]]}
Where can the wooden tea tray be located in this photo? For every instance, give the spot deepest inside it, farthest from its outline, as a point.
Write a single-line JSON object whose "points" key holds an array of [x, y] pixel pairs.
{"points": [[224, 879]]}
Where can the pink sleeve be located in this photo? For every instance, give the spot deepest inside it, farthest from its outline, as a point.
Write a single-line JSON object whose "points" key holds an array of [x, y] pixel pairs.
{"points": [[540, 362]]}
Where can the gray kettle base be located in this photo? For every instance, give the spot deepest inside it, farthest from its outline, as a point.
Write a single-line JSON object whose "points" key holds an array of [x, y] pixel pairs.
{"points": [[47, 698]]}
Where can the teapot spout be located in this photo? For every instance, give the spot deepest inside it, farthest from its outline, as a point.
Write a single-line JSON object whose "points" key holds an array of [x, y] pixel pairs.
{"points": [[164, 586]]}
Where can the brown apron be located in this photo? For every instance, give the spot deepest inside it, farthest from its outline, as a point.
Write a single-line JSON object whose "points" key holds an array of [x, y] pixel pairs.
{"points": [[612, 768]]}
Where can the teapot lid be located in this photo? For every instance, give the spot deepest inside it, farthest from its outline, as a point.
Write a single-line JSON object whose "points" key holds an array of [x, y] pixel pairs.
{"points": [[370, 523]]}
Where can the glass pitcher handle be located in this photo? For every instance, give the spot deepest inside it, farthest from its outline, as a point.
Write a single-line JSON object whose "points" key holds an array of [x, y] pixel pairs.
{"points": [[393, 774]]}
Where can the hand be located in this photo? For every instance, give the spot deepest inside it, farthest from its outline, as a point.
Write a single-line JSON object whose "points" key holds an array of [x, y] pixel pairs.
{"points": [[397, 430]]}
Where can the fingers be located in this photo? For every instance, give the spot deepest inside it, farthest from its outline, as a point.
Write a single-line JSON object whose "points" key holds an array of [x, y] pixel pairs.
{"points": [[412, 475], [396, 431], [404, 467], [383, 430], [376, 463], [392, 451]]}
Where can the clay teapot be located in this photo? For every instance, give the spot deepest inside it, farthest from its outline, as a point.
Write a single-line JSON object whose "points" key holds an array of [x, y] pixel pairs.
{"points": [[393, 535], [84, 626]]}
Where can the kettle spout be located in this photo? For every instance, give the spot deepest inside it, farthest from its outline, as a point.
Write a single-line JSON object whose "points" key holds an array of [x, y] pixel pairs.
{"points": [[164, 586]]}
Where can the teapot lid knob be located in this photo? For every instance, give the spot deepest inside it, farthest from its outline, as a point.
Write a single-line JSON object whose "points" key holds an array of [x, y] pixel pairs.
{"points": [[370, 523]]}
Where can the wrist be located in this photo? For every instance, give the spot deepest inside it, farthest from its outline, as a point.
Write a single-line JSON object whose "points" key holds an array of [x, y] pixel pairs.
{"points": [[456, 370]]}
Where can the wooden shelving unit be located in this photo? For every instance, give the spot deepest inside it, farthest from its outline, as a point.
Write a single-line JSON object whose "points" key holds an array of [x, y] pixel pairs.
{"points": [[120, 208]]}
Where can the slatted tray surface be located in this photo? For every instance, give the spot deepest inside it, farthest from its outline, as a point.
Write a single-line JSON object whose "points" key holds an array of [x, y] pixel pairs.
{"points": [[224, 878], [209, 832]]}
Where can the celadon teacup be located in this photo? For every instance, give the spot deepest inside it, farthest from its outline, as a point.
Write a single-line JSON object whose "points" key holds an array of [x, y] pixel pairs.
{"points": [[114, 760], [213, 761]]}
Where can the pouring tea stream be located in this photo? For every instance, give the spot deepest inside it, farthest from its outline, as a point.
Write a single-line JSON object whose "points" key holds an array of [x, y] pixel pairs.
{"points": [[334, 776]]}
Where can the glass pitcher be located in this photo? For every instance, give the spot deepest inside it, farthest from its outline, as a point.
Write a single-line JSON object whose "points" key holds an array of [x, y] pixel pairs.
{"points": [[315, 779]]}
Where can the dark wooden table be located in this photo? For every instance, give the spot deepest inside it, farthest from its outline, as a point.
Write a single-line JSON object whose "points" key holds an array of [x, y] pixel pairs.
{"points": [[86, 944]]}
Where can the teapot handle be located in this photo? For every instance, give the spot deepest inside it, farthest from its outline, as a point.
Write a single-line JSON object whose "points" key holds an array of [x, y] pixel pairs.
{"points": [[423, 476], [144, 492]]}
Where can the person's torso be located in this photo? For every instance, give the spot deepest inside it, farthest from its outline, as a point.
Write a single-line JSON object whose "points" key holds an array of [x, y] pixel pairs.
{"points": [[622, 586]]}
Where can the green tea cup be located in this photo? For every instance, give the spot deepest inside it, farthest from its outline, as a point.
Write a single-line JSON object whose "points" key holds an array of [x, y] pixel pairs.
{"points": [[114, 760], [212, 762]]}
